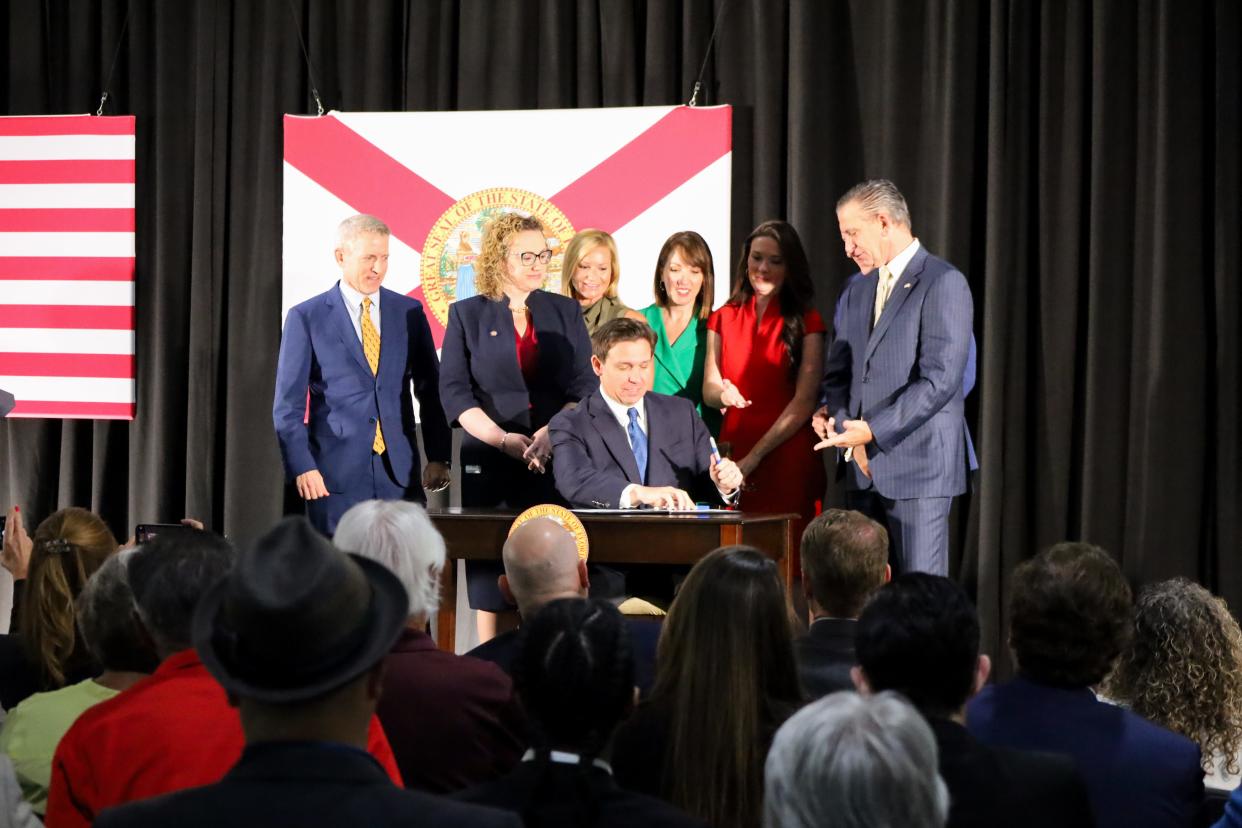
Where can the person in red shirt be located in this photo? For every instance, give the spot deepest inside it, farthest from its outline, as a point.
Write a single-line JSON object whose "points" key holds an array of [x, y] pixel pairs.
{"points": [[297, 636], [174, 729], [765, 351]]}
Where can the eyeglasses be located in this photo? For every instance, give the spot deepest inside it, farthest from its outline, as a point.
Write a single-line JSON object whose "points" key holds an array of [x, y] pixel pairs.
{"points": [[529, 258]]}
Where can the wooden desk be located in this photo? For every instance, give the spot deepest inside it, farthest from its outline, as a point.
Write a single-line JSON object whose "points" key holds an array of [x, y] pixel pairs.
{"points": [[638, 538]]}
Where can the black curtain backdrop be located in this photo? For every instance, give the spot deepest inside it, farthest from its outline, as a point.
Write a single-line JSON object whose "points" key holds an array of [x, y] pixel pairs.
{"points": [[1078, 161]]}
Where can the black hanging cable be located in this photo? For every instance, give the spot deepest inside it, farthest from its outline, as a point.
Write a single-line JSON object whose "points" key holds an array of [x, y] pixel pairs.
{"points": [[310, 69], [698, 82], [120, 41]]}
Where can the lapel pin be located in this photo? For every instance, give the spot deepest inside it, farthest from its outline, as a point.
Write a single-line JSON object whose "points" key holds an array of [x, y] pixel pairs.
{"points": [[493, 333], [906, 285]]}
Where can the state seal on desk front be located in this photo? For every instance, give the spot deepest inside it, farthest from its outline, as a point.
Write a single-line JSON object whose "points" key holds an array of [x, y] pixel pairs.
{"points": [[561, 515]]}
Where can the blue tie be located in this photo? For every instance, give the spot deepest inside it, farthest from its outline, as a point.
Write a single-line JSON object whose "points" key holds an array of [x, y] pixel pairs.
{"points": [[638, 443]]}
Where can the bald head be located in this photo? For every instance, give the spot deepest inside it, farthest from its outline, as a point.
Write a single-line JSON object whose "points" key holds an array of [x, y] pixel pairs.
{"points": [[542, 565]]}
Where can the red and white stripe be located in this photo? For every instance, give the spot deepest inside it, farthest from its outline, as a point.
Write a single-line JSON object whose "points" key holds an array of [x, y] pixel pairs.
{"points": [[67, 265]]}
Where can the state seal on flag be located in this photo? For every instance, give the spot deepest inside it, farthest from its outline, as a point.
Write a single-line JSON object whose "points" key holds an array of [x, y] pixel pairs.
{"points": [[449, 254]]}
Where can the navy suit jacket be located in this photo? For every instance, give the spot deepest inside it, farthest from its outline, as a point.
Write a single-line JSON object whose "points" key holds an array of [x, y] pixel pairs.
{"points": [[905, 378], [1137, 773], [594, 461], [302, 785], [321, 352], [479, 364], [825, 656]]}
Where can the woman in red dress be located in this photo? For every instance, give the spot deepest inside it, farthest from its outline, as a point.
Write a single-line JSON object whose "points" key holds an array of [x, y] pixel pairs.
{"points": [[765, 350]]}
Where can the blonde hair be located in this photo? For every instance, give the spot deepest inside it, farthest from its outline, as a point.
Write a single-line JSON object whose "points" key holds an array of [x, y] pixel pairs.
{"points": [[489, 273], [68, 547], [583, 243]]}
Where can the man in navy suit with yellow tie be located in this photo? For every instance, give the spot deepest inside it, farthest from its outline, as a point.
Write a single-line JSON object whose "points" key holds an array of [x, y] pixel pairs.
{"points": [[893, 382], [357, 348], [626, 447]]}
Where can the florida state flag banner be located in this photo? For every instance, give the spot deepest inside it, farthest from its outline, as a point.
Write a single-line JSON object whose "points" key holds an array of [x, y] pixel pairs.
{"points": [[67, 265], [436, 178]]}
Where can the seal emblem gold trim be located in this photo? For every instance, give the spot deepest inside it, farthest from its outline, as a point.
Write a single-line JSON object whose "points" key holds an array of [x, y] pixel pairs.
{"points": [[562, 516], [447, 268]]}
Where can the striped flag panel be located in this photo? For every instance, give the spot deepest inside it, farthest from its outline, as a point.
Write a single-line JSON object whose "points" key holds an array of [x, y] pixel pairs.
{"points": [[67, 266]]}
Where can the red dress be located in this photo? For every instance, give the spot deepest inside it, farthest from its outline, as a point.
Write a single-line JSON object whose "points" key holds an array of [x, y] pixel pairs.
{"points": [[752, 356]]}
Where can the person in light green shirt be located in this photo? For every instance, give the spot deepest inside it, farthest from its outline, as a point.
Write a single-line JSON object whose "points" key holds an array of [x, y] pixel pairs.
{"points": [[684, 286], [32, 729]]}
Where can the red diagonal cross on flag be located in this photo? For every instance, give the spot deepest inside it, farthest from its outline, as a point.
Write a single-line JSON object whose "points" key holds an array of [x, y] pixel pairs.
{"points": [[647, 173]]}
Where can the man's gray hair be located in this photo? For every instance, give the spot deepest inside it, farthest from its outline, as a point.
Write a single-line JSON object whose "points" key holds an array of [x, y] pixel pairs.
{"points": [[105, 610], [169, 575], [850, 761], [879, 195], [355, 226], [399, 535]]}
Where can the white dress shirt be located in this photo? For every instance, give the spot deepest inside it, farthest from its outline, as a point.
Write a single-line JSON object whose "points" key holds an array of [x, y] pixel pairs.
{"points": [[622, 413], [353, 303]]}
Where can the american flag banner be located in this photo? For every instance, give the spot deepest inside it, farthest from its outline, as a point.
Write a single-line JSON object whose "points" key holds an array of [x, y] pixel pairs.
{"points": [[436, 178], [67, 265]]}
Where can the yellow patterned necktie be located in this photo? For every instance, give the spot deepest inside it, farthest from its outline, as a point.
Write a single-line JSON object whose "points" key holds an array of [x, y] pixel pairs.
{"points": [[883, 290], [370, 347]]}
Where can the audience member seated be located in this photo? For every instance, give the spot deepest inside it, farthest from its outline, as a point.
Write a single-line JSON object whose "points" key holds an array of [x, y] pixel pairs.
{"points": [[1183, 670], [42, 650], [849, 761], [1069, 611], [296, 636], [542, 565], [844, 560], [726, 679], [109, 630], [174, 729], [574, 673], [452, 720], [919, 636]]}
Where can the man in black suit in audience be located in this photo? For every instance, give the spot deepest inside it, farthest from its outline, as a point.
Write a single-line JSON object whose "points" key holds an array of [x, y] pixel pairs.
{"points": [[297, 636], [844, 560], [542, 565], [919, 636], [1070, 615]]}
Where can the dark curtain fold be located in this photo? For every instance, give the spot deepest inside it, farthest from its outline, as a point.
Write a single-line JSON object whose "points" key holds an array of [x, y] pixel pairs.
{"points": [[1078, 161]]}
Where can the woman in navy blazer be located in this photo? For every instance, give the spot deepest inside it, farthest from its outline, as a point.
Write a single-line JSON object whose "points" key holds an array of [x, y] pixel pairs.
{"points": [[513, 356]]}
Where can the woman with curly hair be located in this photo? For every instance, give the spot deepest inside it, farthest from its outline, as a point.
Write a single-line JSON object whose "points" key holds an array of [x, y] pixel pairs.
{"points": [[513, 356], [43, 650], [1183, 670]]}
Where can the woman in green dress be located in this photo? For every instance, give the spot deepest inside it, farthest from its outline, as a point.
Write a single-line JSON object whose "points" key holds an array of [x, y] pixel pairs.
{"points": [[590, 272], [684, 287]]}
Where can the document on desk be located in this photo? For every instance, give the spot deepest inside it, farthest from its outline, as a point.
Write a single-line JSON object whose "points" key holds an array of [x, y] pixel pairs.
{"points": [[649, 511]]}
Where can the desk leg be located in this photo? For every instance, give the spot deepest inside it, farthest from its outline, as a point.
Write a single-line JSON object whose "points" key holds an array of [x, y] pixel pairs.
{"points": [[787, 567], [446, 616]]}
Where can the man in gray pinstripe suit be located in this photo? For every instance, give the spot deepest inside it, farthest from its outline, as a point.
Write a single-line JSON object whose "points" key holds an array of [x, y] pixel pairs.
{"points": [[893, 396]]}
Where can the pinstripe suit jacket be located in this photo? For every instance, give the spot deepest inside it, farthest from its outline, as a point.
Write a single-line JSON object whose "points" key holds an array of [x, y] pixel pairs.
{"points": [[905, 378]]}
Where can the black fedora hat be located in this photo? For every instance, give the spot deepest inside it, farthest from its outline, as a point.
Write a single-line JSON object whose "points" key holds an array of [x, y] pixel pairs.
{"points": [[296, 617]]}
